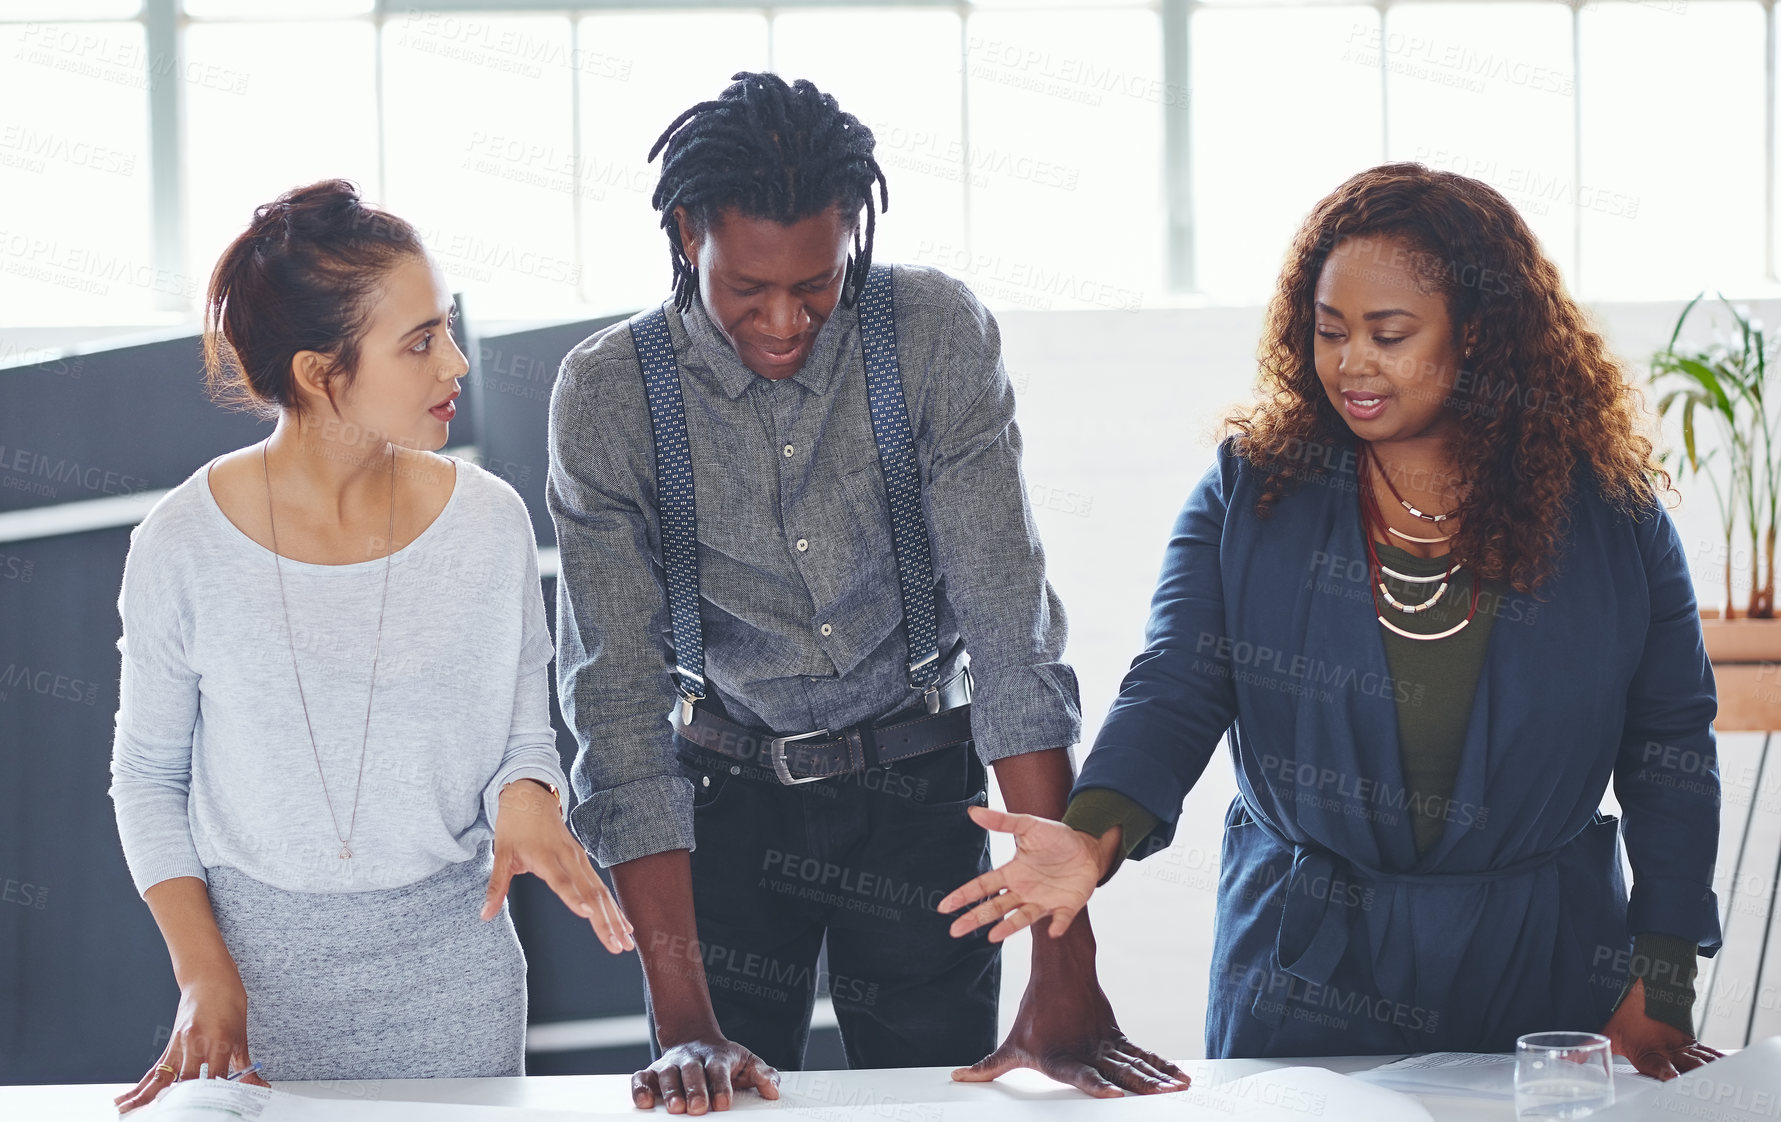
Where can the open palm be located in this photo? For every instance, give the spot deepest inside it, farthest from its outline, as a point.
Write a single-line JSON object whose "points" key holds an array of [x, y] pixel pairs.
{"points": [[1053, 873]]}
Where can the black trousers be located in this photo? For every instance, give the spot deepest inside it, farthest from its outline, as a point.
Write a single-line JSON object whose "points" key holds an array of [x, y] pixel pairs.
{"points": [[860, 861]]}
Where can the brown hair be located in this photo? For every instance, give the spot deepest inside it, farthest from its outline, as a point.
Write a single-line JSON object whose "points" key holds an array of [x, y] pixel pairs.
{"points": [[301, 277], [1540, 394]]}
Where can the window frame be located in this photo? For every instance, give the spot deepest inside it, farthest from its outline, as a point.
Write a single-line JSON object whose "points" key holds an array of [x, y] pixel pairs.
{"points": [[165, 22]]}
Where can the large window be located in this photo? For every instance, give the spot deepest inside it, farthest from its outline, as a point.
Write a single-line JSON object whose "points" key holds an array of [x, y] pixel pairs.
{"points": [[1274, 130], [1490, 91], [270, 123], [1113, 154], [1670, 195], [639, 71], [75, 235]]}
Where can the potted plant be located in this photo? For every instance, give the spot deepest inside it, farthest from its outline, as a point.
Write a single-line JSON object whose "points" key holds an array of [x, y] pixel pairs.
{"points": [[1725, 385]]}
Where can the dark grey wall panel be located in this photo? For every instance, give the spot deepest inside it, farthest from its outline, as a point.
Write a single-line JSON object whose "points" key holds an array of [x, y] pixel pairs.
{"points": [[85, 986], [110, 422], [569, 974], [129, 418], [517, 373]]}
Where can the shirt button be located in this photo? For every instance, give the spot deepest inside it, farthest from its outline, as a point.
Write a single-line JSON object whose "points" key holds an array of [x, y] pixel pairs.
{"points": [[704, 781], [803, 545], [788, 451], [735, 769], [826, 629]]}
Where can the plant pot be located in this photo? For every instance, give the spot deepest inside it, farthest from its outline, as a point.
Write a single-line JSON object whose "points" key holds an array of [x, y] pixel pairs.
{"points": [[1746, 657]]}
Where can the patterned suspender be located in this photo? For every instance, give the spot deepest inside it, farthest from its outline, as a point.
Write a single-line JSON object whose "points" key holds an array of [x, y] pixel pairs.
{"points": [[902, 481], [674, 497], [676, 510]]}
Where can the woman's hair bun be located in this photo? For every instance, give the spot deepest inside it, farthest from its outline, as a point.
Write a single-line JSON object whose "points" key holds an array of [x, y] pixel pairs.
{"points": [[301, 277]]}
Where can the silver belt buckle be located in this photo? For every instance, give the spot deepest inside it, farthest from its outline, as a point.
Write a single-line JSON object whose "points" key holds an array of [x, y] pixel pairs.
{"points": [[776, 752]]}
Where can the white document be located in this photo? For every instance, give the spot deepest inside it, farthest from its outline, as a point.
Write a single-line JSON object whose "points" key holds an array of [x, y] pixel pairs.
{"points": [[1743, 1087], [1295, 1094], [1475, 1075], [205, 1100]]}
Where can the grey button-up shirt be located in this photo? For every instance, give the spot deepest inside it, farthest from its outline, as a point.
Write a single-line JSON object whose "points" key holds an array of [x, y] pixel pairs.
{"points": [[797, 577]]}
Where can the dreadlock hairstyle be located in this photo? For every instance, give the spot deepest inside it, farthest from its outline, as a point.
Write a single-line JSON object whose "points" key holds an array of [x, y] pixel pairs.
{"points": [[770, 150]]}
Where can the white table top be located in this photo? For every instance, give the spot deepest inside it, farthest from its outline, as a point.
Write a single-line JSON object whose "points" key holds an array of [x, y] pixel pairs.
{"points": [[884, 1095]]}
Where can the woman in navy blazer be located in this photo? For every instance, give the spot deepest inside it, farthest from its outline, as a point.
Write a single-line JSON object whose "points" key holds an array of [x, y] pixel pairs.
{"points": [[1436, 422]]}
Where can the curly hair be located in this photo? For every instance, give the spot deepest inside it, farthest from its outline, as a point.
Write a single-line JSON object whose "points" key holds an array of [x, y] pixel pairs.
{"points": [[1543, 395]]}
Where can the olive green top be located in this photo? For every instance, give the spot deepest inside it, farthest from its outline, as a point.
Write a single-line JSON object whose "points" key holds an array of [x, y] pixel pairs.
{"points": [[1436, 680]]}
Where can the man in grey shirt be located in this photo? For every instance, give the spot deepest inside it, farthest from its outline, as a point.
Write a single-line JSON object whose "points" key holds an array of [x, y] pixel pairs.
{"points": [[799, 627]]}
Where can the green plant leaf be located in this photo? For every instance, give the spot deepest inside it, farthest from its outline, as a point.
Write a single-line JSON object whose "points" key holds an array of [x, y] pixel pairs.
{"points": [[1705, 375], [1676, 332], [1694, 463]]}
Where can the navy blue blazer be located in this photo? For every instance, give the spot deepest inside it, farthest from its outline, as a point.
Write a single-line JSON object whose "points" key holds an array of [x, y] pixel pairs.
{"points": [[1333, 936]]}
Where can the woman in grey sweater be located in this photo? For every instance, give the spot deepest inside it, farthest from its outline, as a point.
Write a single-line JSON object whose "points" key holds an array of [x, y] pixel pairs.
{"points": [[333, 746]]}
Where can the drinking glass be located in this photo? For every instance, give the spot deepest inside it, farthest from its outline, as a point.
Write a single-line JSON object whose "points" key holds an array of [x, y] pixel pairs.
{"points": [[1562, 1075]]}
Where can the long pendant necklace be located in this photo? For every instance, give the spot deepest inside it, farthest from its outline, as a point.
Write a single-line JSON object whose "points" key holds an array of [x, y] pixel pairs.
{"points": [[1371, 515], [1414, 513], [365, 737]]}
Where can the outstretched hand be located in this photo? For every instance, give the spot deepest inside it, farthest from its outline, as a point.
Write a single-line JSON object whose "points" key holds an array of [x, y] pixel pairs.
{"points": [[1053, 872], [530, 838]]}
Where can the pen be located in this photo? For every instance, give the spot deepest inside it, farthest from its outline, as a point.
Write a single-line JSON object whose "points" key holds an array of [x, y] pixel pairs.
{"points": [[246, 1071]]}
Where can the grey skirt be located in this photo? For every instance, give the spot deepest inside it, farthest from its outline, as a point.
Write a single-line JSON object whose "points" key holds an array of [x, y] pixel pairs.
{"points": [[401, 983]]}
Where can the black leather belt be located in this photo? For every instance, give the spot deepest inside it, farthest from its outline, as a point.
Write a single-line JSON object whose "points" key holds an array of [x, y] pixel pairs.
{"points": [[823, 754]]}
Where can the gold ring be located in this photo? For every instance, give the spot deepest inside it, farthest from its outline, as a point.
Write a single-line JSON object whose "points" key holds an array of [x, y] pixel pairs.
{"points": [[168, 1068]]}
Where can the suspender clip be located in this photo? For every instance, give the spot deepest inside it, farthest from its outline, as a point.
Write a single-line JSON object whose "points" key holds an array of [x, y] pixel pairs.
{"points": [[692, 689]]}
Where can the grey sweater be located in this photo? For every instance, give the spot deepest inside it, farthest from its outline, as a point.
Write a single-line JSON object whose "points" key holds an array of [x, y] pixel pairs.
{"points": [[212, 764]]}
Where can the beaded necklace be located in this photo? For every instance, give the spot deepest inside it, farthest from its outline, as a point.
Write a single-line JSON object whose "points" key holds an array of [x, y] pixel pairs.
{"points": [[1372, 516]]}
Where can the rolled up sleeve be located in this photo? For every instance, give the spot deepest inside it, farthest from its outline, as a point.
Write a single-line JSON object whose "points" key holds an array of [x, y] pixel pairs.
{"points": [[613, 659], [151, 752], [987, 551]]}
